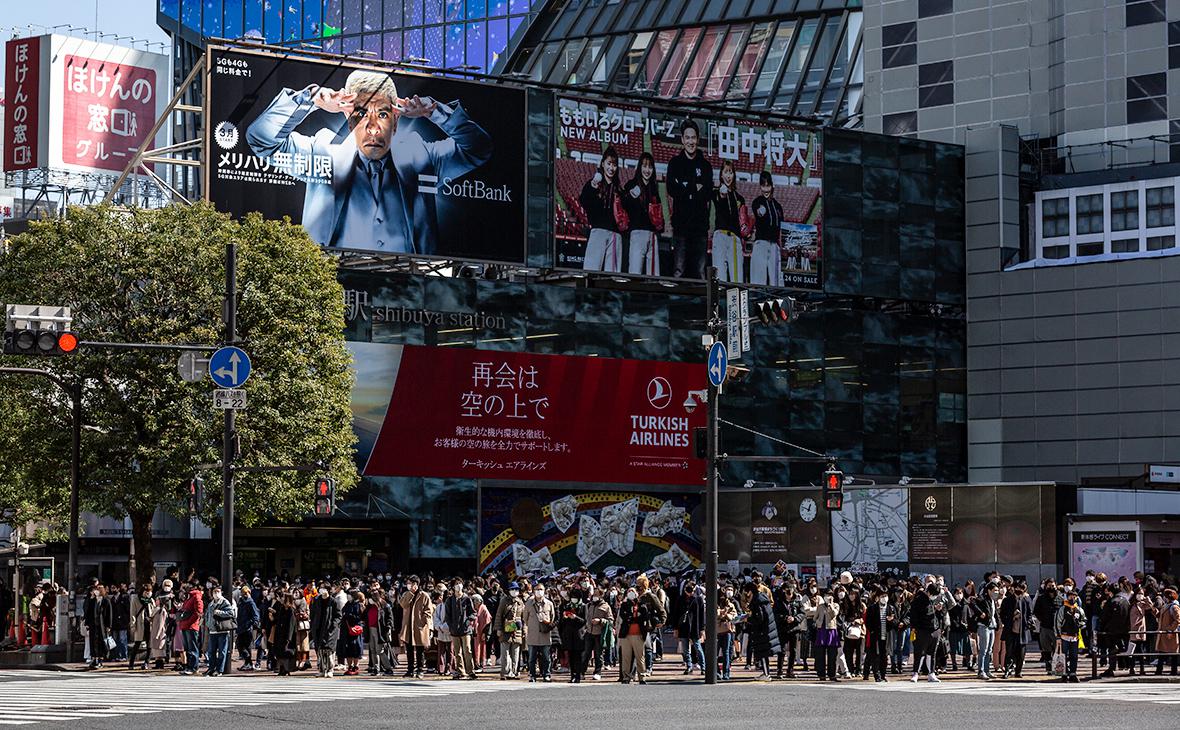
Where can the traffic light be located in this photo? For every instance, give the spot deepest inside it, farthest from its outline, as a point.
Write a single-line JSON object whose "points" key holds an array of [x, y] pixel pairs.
{"points": [[700, 442], [196, 495], [39, 342], [777, 311], [325, 497], [834, 489]]}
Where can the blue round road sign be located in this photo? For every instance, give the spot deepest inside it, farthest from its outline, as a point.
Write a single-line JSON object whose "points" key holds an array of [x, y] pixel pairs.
{"points": [[229, 367], [717, 363]]}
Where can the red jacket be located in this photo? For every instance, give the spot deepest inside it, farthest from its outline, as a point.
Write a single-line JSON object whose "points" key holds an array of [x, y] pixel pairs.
{"points": [[193, 609]]}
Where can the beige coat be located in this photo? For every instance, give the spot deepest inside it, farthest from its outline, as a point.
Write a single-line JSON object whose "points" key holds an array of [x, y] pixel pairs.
{"points": [[160, 639], [536, 614], [142, 612], [510, 609], [416, 618], [1169, 621]]}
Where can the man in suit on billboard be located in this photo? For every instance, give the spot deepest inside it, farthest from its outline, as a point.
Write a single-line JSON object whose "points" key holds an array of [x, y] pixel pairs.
{"points": [[381, 190]]}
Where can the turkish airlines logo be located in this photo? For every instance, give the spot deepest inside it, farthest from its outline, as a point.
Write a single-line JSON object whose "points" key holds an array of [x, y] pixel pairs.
{"points": [[659, 393]]}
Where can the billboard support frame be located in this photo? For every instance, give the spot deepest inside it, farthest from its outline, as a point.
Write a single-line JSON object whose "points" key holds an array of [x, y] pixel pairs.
{"points": [[162, 154]]}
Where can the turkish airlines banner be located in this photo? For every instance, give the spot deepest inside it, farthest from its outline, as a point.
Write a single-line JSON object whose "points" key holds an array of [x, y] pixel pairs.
{"points": [[507, 415]]}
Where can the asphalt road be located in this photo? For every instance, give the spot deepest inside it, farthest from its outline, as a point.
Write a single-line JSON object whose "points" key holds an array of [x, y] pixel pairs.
{"points": [[119, 700]]}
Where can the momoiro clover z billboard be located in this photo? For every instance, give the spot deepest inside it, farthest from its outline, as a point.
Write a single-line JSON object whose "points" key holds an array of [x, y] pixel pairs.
{"points": [[369, 159], [652, 192], [514, 415]]}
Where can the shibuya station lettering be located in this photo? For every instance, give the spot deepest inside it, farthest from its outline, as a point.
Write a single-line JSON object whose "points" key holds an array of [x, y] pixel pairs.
{"points": [[659, 431], [357, 306]]}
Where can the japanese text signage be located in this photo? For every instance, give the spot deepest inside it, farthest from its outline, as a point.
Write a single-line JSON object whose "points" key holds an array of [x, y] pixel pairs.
{"points": [[369, 159], [107, 111], [507, 415], [654, 192], [80, 106], [22, 70]]}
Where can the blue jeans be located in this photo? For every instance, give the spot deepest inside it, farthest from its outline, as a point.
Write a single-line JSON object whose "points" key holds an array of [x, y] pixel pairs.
{"points": [[120, 644], [218, 650], [192, 649], [538, 654], [692, 648], [987, 639], [725, 648]]}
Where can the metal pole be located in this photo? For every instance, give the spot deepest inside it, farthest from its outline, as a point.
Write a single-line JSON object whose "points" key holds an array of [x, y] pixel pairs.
{"points": [[711, 319], [227, 455], [75, 476]]}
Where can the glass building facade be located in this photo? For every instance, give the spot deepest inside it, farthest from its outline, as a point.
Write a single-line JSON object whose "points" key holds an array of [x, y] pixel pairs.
{"points": [[441, 33]]}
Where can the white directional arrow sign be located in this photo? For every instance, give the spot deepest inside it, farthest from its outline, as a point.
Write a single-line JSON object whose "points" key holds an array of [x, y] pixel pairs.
{"points": [[229, 367]]}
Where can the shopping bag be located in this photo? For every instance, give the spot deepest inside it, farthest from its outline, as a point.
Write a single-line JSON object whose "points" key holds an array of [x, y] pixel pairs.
{"points": [[1059, 664]]}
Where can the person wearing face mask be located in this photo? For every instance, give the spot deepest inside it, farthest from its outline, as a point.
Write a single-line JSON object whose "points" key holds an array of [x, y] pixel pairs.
{"points": [[880, 621], [460, 620], [960, 646], [1015, 611], [599, 618], [635, 621], [1067, 624], [925, 631], [690, 628], [827, 636], [657, 605], [249, 622], [163, 627], [571, 625], [221, 622], [142, 610], [985, 608], [540, 617], [727, 613], [509, 628], [789, 620], [852, 614], [491, 601], [188, 621], [325, 630], [479, 639], [1045, 606], [416, 625], [807, 637]]}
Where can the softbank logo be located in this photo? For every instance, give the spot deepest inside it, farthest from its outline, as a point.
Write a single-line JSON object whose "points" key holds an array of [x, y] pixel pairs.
{"points": [[470, 189]]}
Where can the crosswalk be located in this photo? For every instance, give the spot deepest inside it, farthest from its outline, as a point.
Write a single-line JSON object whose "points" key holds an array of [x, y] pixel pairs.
{"points": [[35, 698], [1163, 694]]}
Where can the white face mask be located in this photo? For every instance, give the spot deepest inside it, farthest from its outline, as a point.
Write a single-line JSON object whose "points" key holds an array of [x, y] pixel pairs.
{"points": [[729, 594], [514, 593], [565, 594], [539, 594], [457, 589], [883, 600], [632, 595], [841, 595], [812, 590], [585, 586]]}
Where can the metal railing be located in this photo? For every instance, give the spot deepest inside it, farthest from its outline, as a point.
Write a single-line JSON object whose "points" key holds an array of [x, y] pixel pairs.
{"points": [[1113, 657]]}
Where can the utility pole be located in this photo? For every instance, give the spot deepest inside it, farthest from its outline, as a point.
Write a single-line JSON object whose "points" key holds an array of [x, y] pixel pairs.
{"points": [[75, 475], [227, 437], [712, 320]]}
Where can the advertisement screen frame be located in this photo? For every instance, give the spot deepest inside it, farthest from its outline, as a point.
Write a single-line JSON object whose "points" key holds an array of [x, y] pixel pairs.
{"points": [[521, 205]]}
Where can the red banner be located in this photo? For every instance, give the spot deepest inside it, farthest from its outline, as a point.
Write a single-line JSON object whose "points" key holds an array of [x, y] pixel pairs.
{"points": [[509, 415], [22, 78], [108, 110]]}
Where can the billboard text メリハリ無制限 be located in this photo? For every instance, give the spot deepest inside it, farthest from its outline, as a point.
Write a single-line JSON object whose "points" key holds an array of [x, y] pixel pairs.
{"points": [[367, 158], [656, 192]]}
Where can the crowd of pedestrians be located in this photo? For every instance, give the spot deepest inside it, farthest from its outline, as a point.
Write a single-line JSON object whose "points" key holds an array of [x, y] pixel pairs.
{"points": [[586, 627]]}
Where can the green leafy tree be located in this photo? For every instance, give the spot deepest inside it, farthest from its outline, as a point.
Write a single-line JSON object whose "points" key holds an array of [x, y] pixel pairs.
{"points": [[158, 276]]}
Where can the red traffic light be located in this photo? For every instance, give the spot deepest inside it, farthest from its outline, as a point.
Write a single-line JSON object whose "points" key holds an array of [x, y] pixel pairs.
{"points": [[833, 481], [67, 342], [322, 488]]}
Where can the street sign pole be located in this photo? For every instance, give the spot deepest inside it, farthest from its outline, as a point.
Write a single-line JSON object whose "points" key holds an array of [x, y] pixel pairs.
{"points": [[75, 475], [711, 327], [227, 436]]}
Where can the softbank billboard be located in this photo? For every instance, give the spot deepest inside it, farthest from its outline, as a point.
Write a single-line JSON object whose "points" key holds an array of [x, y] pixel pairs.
{"points": [[367, 158], [482, 414]]}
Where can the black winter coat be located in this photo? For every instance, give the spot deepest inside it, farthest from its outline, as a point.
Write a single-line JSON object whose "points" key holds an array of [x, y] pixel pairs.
{"points": [[569, 628], [763, 629], [690, 616], [784, 611], [325, 623]]}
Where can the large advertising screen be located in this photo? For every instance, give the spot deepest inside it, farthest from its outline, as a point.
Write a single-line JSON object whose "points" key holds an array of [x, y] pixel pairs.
{"points": [[479, 414], [81, 106], [370, 159], [653, 192], [539, 532]]}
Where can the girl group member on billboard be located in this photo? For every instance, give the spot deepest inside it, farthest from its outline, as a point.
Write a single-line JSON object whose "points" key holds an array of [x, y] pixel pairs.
{"points": [[641, 199], [601, 198], [728, 235], [766, 260]]}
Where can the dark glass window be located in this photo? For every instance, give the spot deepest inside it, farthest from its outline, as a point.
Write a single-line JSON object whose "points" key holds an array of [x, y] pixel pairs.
{"points": [[1124, 210], [1159, 243], [726, 60], [940, 95], [566, 60], [1142, 12], [898, 34], [1092, 249], [1147, 98], [647, 73], [698, 69], [898, 124], [671, 12], [774, 60], [1161, 207], [743, 76], [930, 8], [627, 71], [1057, 252], [798, 60], [1124, 245], [1054, 217], [677, 60], [906, 55], [1090, 212]]}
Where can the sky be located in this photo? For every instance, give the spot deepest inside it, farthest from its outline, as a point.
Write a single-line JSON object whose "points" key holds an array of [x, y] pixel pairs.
{"points": [[136, 18]]}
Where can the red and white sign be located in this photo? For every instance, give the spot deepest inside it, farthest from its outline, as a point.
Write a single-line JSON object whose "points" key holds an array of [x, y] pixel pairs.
{"points": [[22, 112], [73, 104], [107, 111], [509, 415]]}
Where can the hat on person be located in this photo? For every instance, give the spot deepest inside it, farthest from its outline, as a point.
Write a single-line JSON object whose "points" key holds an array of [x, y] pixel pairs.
{"points": [[514, 586], [167, 583], [845, 578]]}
